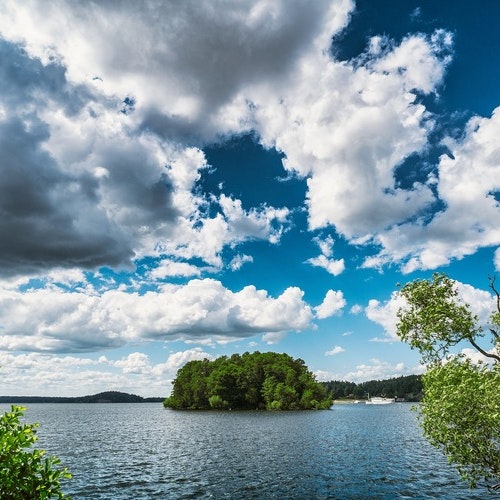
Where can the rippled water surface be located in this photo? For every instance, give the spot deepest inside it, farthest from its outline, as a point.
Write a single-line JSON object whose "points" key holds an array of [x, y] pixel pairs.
{"points": [[133, 451]]}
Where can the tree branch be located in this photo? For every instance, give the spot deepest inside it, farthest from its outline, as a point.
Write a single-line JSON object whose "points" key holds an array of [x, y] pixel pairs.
{"points": [[497, 293], [495, 334], [496, 357]]}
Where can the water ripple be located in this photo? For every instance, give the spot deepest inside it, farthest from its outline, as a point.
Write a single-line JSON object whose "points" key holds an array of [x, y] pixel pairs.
{"points": [[144, 451]]}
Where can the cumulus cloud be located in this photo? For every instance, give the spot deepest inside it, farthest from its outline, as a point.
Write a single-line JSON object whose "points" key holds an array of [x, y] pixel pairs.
{"points": [[355, 125], [272, 338], [333, 303], [324, 260], [336, 350], [49, 374], [58, 320], [239, 260], [477, 357], [139, 363], [385, 314], [89, 178], [179, 359], [356, 309], [379, 370], [117, 142], [233, 44], [374, 369], [168, 268], [468, 187]]}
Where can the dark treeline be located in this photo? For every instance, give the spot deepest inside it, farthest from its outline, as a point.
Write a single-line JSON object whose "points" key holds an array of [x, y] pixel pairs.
{"points": [[264, 381], [102, 397], [408, 388]]}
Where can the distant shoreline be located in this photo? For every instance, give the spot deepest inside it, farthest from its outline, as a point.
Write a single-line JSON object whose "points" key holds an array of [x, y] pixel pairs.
{"points": [[102, 397]]}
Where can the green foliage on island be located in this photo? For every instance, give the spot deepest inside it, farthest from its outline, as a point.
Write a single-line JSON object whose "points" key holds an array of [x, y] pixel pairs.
{"points": [[408, 388], [26, 473], [263, 381], [102, 397]]}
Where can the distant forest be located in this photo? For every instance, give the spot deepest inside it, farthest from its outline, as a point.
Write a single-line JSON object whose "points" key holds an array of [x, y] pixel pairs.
{"points": [[408, 388], [102, 397]]}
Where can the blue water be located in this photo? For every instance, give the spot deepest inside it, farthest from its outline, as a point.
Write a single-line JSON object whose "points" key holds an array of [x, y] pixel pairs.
{"points": [[133, 451]]}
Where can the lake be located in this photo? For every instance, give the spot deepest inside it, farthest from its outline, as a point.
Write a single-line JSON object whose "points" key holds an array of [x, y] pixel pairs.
{"points": [[133, 451]]}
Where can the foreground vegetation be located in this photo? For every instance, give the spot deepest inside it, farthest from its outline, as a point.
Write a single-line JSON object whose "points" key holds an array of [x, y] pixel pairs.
{"points": [[460, 410], [26, 473], [264, 381]]}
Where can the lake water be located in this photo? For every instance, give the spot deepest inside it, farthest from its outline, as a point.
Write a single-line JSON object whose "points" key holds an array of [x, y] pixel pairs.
{"points": [[134, 451]]}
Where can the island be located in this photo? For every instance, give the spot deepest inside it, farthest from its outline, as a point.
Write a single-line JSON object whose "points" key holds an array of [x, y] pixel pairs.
{"points": [[251, 381]]}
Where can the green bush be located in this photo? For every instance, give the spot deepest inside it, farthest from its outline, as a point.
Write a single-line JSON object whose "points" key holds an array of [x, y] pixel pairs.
{"points": [[26, 474]]}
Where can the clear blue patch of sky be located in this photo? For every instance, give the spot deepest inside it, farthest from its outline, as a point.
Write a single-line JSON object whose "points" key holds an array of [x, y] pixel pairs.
{"points": [[243, 169]]}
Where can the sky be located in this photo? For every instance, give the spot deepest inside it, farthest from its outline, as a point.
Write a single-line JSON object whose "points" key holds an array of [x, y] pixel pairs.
{"points": [[185, 180]]}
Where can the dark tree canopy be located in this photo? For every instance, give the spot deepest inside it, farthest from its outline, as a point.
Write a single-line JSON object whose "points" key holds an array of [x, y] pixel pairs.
{"points": [[265, 381]]}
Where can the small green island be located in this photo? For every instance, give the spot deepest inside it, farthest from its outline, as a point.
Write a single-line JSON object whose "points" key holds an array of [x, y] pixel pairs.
{"points": [[251, 381]]}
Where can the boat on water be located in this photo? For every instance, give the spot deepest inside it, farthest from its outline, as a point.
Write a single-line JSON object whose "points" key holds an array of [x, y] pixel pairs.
{"points": [[380, 401]]}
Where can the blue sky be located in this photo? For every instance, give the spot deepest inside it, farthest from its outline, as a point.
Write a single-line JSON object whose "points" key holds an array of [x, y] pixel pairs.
{"points": [[191, 179]]}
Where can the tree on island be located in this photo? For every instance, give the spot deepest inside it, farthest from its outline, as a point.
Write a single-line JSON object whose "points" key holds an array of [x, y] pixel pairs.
{"points": [[460, 410], [264, 381], [26, 474]]}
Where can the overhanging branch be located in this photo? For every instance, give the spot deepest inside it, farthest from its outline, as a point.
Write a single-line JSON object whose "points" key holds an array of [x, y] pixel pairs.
{"points": [[496, 357]]}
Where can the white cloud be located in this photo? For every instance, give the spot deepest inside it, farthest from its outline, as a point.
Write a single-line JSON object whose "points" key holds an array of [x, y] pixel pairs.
{"points": [[272, 338], [333, 266], [374, 369], [103, 187], [239, 260], [53, 319], [470, 219], [356, 309], [385, 314], [324, 376], [52, 375], [355, 125], [179, 359], [336, 350], [46, 374], [231, 45], [416, 58], [324, 260], [477, 357], [378, 370], [168, 268], [333, 303], [136, 363]]}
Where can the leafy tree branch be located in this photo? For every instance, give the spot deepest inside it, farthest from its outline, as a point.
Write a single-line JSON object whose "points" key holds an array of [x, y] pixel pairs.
{"points": [[460, 410]]}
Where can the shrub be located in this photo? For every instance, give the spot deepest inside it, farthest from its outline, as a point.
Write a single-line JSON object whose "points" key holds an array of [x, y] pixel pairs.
{"points": [[26, 474]]}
